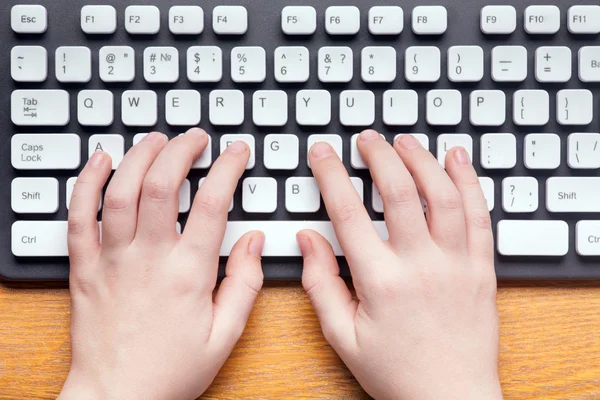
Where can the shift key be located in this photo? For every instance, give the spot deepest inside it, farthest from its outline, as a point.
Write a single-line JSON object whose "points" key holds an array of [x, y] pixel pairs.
{"points": [[40, 107], [573, 194]]}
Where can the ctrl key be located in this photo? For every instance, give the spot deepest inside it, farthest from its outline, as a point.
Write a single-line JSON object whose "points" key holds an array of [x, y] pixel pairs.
{"points": [[39, 239], [588, 238]]}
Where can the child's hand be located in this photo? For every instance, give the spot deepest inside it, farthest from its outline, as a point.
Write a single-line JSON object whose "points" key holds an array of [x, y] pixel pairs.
{"points": [[143, 321], [425, 325]]}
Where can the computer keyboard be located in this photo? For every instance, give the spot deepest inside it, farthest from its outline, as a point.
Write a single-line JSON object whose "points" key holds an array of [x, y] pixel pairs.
{"points": [[514, 83]]}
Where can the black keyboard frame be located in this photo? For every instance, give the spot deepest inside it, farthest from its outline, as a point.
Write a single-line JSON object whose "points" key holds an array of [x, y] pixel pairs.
{"points": [[264, 29]]}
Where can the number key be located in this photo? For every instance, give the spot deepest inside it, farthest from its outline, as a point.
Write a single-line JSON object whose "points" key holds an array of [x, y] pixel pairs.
{"points": [[248, 64], [117, 64], [378, 64], [335, 64], [291, 64]]}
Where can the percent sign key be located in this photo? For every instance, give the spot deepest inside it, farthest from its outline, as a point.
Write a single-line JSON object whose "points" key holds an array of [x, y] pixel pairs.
{"points": [[248, 64]]}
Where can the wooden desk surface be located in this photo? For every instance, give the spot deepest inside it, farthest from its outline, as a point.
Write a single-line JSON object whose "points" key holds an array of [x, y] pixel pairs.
{"points": [[550, 346]]}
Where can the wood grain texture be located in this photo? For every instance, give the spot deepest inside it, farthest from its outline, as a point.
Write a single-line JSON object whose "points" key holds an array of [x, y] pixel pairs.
{"points": [[550, 346]]}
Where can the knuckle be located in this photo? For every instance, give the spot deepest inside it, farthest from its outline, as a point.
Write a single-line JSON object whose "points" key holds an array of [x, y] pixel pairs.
{"points": [[481, 219], [157, 188], [448, 200], [397, 195], [345, 211], [76, 224], [210, 206], [116, 202]]}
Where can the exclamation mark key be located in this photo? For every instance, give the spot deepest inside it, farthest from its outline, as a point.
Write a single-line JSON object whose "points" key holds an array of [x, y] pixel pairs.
{"points": [[73, 64]]}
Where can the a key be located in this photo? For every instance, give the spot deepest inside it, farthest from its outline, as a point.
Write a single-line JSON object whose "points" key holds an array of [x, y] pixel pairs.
{"points": [[487, 107], [29, 64], [259, 195], [542, 20], [292, 64], [117, 64], [553, 64], [359, 186], [313, 107], [298, 20], [248, 64], [182, 107], [205, 159], [465, 63], [114, 145], [230, 203], [342, 20], [281, 152], [73, 64], [589, 64], [447, 141], [378, 64], [532, 238], [33, 151], [400, 107], [356, 160], [335, 141], [575, 194], [142, 20], [422, 64], [269, 108], [509, 63], [584, 20], [357, 108], [95, 107], [574, 107], [98, 20], [498, 151], [34, 195], [39, 239], [226, 107], [487, 187], [520, 194], [429, 20], [542, 151], [228, 139], [186, 20], [531, 107], [184, 195], [139, 108], [583, 150], [161, 64], [28, 18], [335, 64], [230, 20], [498, 20], [302, 195], [376, 200], [69, 192], [444, 107], [587, 238], [39, 107], [204, 64], [386, 20]]}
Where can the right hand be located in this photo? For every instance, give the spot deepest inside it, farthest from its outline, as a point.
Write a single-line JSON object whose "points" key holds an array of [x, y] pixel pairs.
{"points": [[425, 325]]}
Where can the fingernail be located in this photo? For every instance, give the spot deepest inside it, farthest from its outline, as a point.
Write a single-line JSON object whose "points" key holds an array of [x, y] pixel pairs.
{"points": [[369, 135], [408, 142], [97, 159], [461, 157], [305, 245], [238, 147], [321, 150], [196, 132], [257, 242]]}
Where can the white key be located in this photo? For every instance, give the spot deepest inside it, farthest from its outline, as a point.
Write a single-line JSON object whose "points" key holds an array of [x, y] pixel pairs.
{"points": [[39, 107], [228, 139], [29, 64], [356, 160], [39, 239], [298, 20], [186, 20], [498, 20], [542, 20], [446, 141], [583, 151], [465, 63], [205, 159], [204, 64], [95, 108], [422, 64], [584, 20], [281, 152], [487, 108], [444, 107], [28, 18], [400, 107], [487, 187], [139, 108], [509, 63], [498, 151], [259, 195], [138, 137], [335, 64], [542, 151], [532, 238], [378, 64], [248, 64], [342, 20], [573, 194], [429, 20], [269, 108], [184, 197], [357, 108], [182, 107], [376, 200], [531, 107], [230, 20], [161, 64], [587, 238], [335, 141], [421, 138], [230, 203], [34, 195], [117, 64], [553, 64], [574, 107], [32, 151], [520, 194], [313, 107], [589, 64], [359, 186], [69, 192], [226, 107], [292, 64], [302, 195], [98, 20], [386, 20], [142, 20], [73, 64], [114, 145]]}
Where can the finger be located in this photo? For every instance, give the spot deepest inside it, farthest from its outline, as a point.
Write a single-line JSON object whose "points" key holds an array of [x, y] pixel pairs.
{"points": [[480, 241], [83, 236], [404, 216], [238, 291], [120, 209], [206, 223], [159, 203], [328, 292], [445, 215]]}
